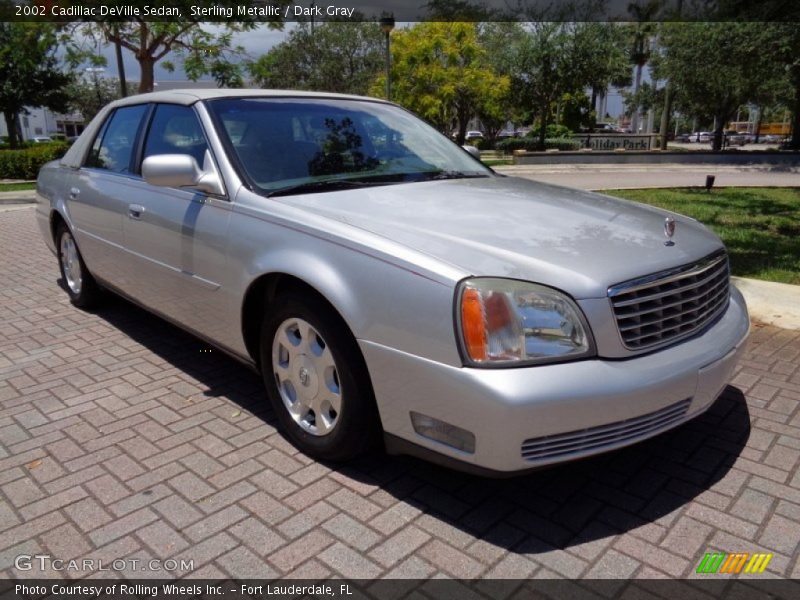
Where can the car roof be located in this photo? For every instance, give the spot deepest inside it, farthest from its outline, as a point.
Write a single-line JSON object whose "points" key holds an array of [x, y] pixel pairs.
{"points": [[190, 96]]}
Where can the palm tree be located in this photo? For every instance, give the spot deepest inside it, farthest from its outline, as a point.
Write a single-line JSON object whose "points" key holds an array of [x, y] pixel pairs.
{"points": [[642, 32]]}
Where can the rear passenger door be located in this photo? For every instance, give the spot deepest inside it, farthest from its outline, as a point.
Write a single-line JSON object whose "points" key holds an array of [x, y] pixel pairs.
{"points": [[177, 237], [101, 190]]}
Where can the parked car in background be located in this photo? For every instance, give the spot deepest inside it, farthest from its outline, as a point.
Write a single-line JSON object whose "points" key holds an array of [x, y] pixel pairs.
{"points": [[734, 138], [701, 137], [41, 139], [605, 128], [474, 135], [388, 285]]}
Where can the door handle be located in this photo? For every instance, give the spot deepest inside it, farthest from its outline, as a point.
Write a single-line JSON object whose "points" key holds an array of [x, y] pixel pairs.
{"points": [[73, 193], [135, 211]]}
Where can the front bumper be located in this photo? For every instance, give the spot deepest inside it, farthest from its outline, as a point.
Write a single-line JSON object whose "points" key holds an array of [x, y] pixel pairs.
{"points": [[506, 408]]}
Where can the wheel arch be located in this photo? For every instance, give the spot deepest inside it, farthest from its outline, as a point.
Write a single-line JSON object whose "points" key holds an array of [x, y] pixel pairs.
{"points": [[263, 290], [56, 219]]}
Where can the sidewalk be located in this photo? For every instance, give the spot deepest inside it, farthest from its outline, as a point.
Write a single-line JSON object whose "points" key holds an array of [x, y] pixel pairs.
{"points": [[636, 176], [18, 197]]}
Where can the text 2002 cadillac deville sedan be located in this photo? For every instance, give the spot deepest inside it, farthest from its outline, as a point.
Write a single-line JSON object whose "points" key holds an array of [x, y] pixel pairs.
{"points": [[384, 281]]}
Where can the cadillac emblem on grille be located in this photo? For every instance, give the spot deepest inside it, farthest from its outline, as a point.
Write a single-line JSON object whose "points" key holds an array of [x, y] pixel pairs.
{"points": [[669, 230]]}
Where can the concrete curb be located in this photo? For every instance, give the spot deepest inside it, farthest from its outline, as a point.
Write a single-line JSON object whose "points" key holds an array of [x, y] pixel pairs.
{"points": [[780, 160], [771, 303], [19, 197]]}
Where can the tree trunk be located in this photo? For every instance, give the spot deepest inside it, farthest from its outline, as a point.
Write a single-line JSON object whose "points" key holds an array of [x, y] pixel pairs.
{"points": [[795, 143], [719, 122], [543, 124], [123, 85], [594, 108], [147, 68], [636, 117], [665, 115], [11, 126], [463, 120], [758, 124]]}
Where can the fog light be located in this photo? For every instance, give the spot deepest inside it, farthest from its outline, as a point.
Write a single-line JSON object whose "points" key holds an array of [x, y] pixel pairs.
{"points": [[444, 433]]}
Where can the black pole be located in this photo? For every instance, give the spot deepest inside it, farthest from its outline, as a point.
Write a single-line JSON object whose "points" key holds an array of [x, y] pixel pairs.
{"points": [[387, 24], [123, 84], [388, 69]]}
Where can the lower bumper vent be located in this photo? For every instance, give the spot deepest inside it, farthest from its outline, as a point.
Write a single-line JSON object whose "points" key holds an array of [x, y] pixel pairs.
{"points": [[603, 436]]}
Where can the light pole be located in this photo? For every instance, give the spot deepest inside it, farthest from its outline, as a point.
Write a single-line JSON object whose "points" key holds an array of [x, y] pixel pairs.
{"points": [[94, 71], [387, 24]]}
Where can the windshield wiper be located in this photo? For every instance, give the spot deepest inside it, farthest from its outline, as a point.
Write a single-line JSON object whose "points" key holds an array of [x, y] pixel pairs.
{"points": [[436, 175], [326, 185]]}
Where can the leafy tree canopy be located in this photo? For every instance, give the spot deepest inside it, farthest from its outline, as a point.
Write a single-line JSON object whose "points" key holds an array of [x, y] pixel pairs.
{"points": [[204, 49], [441, 71], [715, 67], [336, 56], [29, 72]]}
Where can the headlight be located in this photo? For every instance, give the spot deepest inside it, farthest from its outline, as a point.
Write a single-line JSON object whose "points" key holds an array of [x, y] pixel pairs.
{"points": [[508, 322]]}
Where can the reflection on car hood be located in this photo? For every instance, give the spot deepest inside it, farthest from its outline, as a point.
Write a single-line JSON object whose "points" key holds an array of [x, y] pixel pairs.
{"points": [[577, 241]]}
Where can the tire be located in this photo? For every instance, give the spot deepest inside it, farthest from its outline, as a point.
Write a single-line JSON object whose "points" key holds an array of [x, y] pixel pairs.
{"points": [[81, 287], [316, 379]]}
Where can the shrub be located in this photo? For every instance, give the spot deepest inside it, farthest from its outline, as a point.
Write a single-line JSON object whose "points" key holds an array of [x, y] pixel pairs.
{"points": [[558, 131], [485, 144], [25, 163], [508, 146]]}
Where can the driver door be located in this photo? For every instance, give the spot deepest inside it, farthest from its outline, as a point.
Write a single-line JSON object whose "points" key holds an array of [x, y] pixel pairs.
{"points": [[177, 237]]}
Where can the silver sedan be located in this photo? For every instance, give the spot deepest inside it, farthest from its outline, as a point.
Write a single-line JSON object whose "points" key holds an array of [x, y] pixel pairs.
{"points": [[388, 286]]}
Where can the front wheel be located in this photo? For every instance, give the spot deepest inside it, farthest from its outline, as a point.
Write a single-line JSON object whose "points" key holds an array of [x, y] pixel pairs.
{"points": [[316, 379], [81, 287]]}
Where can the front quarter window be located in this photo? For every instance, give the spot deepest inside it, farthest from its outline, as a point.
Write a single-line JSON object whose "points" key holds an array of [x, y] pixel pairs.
{"points": [[175, 129]]}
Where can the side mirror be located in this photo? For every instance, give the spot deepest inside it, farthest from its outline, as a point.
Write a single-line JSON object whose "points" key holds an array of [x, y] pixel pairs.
{"points": [[180, 170], [472, 150]]}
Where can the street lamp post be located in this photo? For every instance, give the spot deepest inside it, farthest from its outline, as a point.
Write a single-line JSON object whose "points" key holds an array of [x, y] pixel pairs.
{"points": [[387, 24], [94, 71]]}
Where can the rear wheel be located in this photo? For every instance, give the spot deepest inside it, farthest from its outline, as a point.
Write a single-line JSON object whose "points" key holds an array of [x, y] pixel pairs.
{"points": [[316, 379], [81, 287]]}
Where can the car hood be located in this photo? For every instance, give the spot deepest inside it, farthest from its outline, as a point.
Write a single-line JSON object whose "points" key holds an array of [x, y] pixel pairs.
{"points": [[577, 241]]}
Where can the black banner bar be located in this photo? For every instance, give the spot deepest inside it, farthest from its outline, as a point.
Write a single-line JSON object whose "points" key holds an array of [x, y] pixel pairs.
{"points": [[705, 587], [223, 11]]}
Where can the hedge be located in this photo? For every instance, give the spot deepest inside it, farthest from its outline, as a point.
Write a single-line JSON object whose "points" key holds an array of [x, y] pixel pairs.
{"points": [[25, 164], [532, 145]]}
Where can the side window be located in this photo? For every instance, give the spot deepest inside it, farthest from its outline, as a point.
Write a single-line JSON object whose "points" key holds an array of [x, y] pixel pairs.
{"points": [[176, 130], [113, 148]]}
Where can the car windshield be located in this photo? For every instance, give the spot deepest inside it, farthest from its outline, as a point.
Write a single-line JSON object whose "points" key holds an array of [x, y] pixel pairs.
{"points": [[299, 145]]}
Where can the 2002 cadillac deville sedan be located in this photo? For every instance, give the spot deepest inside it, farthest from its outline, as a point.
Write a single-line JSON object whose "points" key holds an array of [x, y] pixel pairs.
{"points": [[384, 281]]}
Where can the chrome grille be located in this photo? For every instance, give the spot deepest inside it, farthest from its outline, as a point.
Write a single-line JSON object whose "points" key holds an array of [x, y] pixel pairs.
{"points": [[667, 306], [604, 436]]}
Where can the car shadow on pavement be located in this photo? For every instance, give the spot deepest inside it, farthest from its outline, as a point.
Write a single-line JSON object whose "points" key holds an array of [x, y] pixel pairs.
{"points": [[641, 487]]}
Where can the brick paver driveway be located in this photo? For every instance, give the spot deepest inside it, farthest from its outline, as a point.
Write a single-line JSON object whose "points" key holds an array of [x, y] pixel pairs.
{"points": [[124, 437]]}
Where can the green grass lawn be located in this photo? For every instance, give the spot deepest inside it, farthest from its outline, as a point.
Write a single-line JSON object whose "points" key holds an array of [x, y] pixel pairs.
{"points": [[760, 226], [493, 162], [16, 187]]}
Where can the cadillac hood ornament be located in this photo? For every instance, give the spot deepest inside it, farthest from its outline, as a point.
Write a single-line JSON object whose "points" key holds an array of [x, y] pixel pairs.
{"points": [[669, 230]]}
